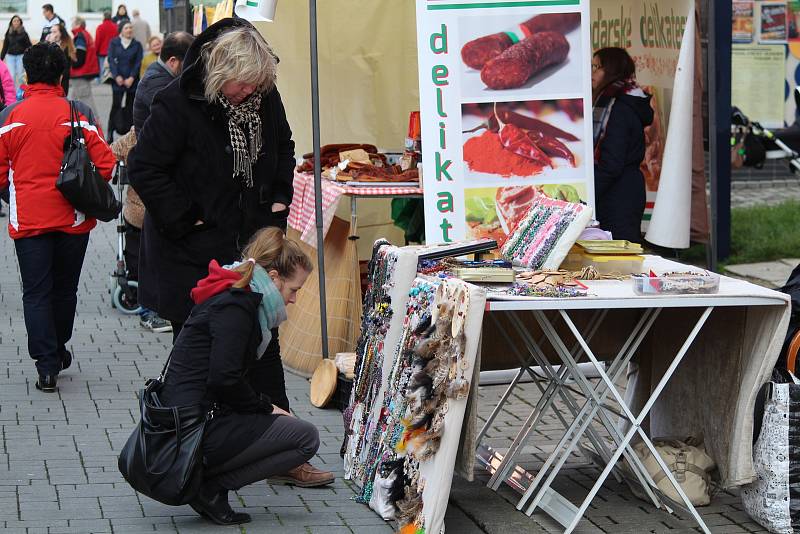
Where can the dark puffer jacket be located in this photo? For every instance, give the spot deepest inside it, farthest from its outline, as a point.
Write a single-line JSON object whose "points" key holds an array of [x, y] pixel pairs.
{"points": [[209, 364], [182, 167], [155, 78], [618, 182]]}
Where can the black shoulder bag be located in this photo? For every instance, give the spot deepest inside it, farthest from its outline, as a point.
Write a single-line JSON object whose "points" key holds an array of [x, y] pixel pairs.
{"points": [[163, 457], [80, 182]]}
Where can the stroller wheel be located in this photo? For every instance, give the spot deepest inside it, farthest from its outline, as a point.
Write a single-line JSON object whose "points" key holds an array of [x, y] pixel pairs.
{"points": [[126, 302]]}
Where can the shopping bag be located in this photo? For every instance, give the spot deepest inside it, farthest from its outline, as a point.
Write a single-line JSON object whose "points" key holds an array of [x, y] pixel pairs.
{"points": [[773, 499], [163, 457], [79, 180]]}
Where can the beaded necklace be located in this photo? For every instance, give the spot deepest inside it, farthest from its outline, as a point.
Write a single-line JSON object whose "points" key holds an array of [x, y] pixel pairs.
{"points": [[376, 318]]}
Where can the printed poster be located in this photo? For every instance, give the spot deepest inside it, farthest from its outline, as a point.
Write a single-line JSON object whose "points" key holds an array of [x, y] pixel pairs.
{"points": [[742, 29], [757, 86], [773, 23], [652, 32], [505, 101]]}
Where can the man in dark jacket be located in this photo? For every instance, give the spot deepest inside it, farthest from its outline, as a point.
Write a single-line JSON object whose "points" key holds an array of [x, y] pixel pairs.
{"points": [[156, 77], [51, 19], [160, 74]]}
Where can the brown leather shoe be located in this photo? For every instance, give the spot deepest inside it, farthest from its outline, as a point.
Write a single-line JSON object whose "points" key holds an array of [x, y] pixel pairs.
{"points": [[304, 476]]}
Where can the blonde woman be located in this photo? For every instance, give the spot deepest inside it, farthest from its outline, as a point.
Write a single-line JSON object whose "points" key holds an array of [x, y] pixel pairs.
{"points": [[214, 163], [236, 308]]}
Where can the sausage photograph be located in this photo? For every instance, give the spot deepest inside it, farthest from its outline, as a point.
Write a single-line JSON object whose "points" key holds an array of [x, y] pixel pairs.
{"points": [[477, 52], [537, 55]]}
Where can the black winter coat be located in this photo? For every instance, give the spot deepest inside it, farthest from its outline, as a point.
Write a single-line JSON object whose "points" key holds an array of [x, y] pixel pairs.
{"points": [[155, 78], [209, 364], [15, 44], [618, 183], [182, 167]]}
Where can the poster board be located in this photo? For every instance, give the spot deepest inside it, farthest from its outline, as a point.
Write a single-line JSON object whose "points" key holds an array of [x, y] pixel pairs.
{"points": [[742, 27], [757, 86], [476, 180], [653, 31], [773, 23]]}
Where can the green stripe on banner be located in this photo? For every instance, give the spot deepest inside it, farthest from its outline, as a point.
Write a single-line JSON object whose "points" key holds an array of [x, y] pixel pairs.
{"points": [[251, 3], [487, 5], [647, 216]]}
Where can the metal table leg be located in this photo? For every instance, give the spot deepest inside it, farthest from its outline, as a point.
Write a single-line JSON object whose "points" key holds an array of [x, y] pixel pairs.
{"points": [[556, 386], [635, 421], [593, 406]]}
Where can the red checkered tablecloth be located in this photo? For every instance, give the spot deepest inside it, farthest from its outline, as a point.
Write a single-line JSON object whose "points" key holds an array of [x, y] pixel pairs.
{"points": [[302, 210]]}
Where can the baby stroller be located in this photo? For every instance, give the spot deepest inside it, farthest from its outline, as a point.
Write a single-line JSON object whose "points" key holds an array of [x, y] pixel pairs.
{"points": [[752, 144], [123, 290]]}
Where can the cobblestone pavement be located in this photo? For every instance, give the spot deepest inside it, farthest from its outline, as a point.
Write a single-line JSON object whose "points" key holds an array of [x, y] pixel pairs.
{"points": [[615, 510], [766, 192]]}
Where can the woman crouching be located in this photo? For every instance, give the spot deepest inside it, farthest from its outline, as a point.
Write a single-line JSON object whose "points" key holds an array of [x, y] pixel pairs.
{"points": [[236, 308]]}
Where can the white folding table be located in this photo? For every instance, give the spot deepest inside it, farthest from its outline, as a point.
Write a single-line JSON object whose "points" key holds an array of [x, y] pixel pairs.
{"points": [[561, 383]]}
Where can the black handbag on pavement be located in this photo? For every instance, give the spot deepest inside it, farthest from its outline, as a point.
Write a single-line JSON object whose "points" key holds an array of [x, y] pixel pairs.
{"points": [[163, 457], [80, 182]]}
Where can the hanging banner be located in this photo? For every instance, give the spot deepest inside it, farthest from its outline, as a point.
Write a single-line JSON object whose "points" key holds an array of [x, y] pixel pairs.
{"points": [[652, 31], [505, 100]]}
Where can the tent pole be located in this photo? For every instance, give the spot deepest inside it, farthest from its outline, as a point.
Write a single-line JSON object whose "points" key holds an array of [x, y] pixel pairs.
{"points": [[323, 311], [719, 127]]}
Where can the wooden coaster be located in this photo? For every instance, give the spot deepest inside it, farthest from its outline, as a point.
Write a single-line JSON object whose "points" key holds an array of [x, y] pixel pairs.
{"points": [[323, 383]]}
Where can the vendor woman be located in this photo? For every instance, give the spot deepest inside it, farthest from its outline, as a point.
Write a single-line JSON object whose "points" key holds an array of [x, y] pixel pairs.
{"points": [[621, 112]]}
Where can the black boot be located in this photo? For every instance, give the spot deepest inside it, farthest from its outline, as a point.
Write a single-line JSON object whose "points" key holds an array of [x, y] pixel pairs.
{"points": [[66, 359], [218, 510], [47, 383]]}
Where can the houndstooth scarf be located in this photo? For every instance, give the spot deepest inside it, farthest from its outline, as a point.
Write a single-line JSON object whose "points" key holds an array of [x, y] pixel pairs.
{"points": [[245, 151]]}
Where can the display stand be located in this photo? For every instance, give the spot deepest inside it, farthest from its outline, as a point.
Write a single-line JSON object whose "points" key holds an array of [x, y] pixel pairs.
{"points": [[754, 352]]}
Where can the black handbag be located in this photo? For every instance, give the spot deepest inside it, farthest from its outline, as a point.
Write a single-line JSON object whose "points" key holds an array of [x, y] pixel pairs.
{"points": [[80, 182], [163, 457]]}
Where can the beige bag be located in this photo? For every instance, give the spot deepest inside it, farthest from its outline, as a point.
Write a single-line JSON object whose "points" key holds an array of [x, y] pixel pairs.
{"points": [[688, 462]]}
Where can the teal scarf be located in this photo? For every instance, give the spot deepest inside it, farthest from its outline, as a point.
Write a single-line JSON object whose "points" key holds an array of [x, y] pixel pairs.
{"points": [[271, 310]]}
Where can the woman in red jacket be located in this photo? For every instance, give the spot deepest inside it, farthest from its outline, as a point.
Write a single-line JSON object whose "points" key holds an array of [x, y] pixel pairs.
{"points": [[50, 236]]}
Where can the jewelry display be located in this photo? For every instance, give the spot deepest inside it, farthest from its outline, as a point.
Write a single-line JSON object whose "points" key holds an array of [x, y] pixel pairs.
{"points": [[412, 382]]}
